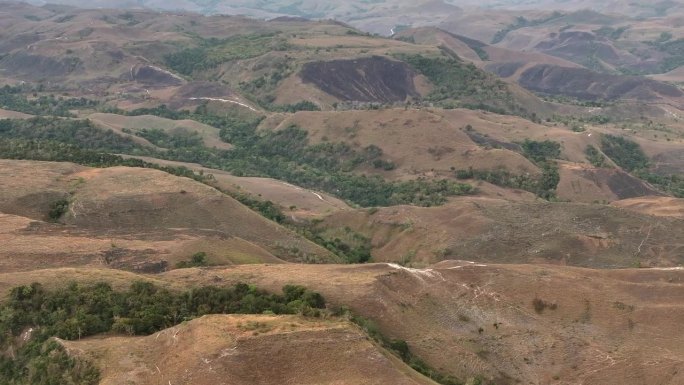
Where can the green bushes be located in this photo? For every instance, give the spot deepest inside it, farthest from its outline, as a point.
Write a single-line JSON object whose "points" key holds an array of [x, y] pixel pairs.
{"points": [[178, 140], [596, 158], [51, 366], [283, 154], [57, 209], [60, 152], [198, 259], [522, 22], [402, 349], [212, 52], [304, 105], [78, 311], [540, 151], [629, 155], [266, 208], [13, 98], [80, 133], [286, 155], [624, 152], [543, 186], [673, 184], [351, 246], [460, 84]]}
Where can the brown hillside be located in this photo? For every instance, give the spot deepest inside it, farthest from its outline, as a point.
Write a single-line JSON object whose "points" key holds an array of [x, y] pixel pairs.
{"points": [[231, 350], [591, 326], [296, 201], [499, 231], [607, 326], [658, 206], [420, 142], [582, 183], [133, 124], [121, 200], [29, 244]]}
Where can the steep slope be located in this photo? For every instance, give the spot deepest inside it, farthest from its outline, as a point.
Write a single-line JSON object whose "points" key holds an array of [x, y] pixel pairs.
{"points": [[499, 231], [658, 206], [122, 202], [231, 349], [587, 85], [374, 79], [29, 244], [207, 135], [298, 201], [506, 323], [596, 332], [421, 142]]}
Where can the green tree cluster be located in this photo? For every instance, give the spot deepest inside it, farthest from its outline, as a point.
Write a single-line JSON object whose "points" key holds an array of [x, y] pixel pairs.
{"points": [[15, 99], [543, 186], [402, 349], [460, 84], [624, 152], [208, 53], [540, 151], [81, 133], [78, 311], [282, 154], [595, 157]]}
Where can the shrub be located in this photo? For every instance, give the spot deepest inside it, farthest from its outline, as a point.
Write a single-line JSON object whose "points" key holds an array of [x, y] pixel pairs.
{"points": [[197, 260], [57, 209], [540, 305], [595, 157]]}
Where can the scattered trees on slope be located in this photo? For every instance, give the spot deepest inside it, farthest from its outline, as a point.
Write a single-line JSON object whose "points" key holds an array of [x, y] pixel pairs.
{"points": [[78, 311], [624, 152]]}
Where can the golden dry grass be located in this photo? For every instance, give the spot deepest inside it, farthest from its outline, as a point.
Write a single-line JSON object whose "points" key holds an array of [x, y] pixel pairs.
{"points": [[658, 206], [468, 319], [231, 349], [130, 202]]}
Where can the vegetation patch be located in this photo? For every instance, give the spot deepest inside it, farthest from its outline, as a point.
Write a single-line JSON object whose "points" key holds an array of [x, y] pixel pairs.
{"points": [[543, 186], [540, 151], [351, 246], [178, 139], [57, 209], [13, 98], [287, 155], [673, 184], [198, 259], [402, 350], [460, 84], [631, 157], [522, 22], [624, 152], [33, 315], [595, 157], [540, 305], [45, 150], [80, 133], [212, 52]]}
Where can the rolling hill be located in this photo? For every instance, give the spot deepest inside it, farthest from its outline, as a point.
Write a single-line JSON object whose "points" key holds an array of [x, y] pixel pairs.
{"points": [[381, 192]]}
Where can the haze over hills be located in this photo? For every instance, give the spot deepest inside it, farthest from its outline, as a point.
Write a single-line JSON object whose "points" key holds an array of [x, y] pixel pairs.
{"points": [[359, 192]]}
